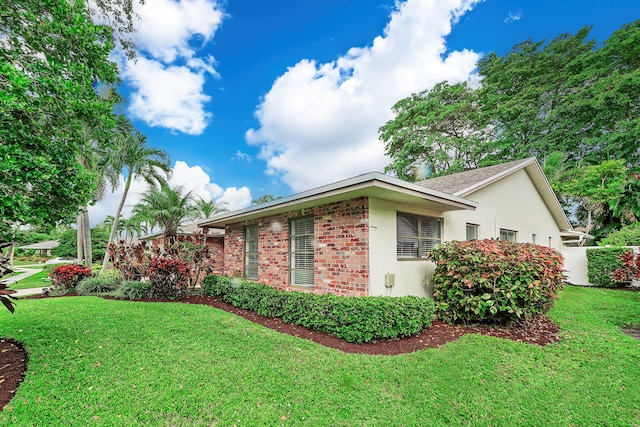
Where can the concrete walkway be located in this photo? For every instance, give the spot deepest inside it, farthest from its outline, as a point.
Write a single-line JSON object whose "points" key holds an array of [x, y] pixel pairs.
{"points": [[25, 271]]}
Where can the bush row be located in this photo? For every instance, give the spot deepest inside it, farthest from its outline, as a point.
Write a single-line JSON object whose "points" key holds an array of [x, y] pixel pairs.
{"points": [[494, 281], [353, 319]]}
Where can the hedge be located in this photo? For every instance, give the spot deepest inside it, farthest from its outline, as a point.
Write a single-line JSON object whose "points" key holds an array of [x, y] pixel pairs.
{"points": [[601, 263], [353, 319]]}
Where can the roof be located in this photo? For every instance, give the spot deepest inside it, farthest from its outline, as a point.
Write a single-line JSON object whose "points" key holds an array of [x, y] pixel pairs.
{"points": [[49, 244], [372, 184], [463, 184], [190, 228]]}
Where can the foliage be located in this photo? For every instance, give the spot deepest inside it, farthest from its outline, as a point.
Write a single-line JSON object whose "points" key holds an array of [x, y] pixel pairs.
{"points": [[131, 155], [131, 261], [266, 198], [135, 290], [354, 319], [167, 207], [96, 286], [66, 277], [112, 274], [207, 209], [601, 263], [5, 269], [629, 235], [441, 128], [168, 277], [69, 243], [629, 270], [494, 281], [52, 54]]}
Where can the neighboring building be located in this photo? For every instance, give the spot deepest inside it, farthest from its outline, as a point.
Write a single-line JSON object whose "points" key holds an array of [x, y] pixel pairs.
{"points": [[369, 235], [43, 247]]}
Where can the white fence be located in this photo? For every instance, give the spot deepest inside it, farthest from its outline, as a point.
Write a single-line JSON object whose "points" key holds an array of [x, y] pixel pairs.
{"points": [[575, 263]]}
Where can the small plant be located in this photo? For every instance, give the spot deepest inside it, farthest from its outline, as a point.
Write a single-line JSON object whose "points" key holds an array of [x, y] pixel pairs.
{"points": [[66, 277], [96, 286], [630, 269], [112, 274], [494, 281], [135, 290]]}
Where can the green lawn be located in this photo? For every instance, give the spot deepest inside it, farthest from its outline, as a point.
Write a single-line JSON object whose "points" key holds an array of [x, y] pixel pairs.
{"points": [[119, 363], [33, 281]]}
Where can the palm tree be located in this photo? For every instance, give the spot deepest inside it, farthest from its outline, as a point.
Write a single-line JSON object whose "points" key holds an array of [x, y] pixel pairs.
{"points": [[207, 209], [167, 207], [133, 157]]}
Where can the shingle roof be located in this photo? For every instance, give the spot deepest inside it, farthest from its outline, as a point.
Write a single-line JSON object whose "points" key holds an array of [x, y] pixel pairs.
{"points": [[49, 244], [461, 183]]}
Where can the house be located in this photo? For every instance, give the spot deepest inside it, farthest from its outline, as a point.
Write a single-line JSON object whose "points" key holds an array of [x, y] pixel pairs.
{"points": [[368, 235], [44, 247]]}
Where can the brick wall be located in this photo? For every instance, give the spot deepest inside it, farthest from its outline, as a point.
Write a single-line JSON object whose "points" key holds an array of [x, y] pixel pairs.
{"points": [[341, 258]]}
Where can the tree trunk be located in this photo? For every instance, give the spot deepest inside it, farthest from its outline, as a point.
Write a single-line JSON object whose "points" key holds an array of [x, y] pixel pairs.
{"points": [[114, 226], [79, 239], [86, 237]]}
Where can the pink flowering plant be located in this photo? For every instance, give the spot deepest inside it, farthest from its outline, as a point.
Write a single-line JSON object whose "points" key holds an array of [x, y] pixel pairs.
{"points": [[66, 277]]}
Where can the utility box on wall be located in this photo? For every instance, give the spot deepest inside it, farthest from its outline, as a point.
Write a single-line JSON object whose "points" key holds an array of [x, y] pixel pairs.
{"points": [[389, 280]]}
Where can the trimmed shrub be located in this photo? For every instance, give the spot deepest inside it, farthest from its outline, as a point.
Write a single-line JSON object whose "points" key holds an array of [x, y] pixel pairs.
{"points": [[629, 270], [494, 281], [354, 319], [66, 277], [601, 263], [96, 286], [135, 290]]}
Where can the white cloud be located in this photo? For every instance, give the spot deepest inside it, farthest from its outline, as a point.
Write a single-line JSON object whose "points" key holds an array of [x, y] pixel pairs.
{"points": [[191, 178], [513, 16], [167, 78], [319, 122]]}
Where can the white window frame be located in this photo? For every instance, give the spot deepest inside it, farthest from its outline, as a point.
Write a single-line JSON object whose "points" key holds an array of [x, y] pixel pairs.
{"points": [[412, 235], [508, 235], [251, 252], [301, 253]]}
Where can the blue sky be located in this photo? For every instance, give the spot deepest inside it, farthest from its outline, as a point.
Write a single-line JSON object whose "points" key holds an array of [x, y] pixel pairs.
{"points": [[275, 97]]}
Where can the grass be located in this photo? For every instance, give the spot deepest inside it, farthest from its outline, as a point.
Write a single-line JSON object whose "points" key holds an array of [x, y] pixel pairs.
{"points": [[119, 363]]}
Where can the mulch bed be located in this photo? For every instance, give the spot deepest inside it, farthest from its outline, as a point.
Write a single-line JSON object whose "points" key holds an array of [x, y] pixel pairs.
{"points": [[539, 330]]}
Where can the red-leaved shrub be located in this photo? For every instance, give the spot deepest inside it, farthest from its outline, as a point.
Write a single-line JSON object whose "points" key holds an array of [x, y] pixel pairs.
{"points": [[630, 269], [169, 277], [66, 277], [494, 281]]}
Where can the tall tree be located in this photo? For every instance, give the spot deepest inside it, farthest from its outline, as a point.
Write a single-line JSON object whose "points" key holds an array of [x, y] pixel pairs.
{"points": [[132, 157], [167, 207], [265, 199], [442, 129], [50, 56]]}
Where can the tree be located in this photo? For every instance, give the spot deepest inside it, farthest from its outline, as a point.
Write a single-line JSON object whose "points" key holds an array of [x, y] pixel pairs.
{"points": [[50, 56], [265, 199], [441, 129], [133, 157], [167, 207], [208, 208]]}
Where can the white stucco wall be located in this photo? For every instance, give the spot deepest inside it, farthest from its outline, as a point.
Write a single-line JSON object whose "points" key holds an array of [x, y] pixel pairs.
{"points": [[409, 274], [513, 203]]}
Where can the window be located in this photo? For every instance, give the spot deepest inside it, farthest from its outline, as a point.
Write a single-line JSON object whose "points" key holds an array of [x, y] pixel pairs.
{"points": [[508, 235], [416, 235], [301, 256], [472, 231], [533, 239], [251, 252]]}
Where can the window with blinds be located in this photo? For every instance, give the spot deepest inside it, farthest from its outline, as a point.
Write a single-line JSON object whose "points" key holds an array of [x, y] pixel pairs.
{"points": [[301, 254], [416, 235], [251, 252]]}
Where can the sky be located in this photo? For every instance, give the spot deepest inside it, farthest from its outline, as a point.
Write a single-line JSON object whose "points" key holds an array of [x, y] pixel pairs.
{"points": [[252, 97]]}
